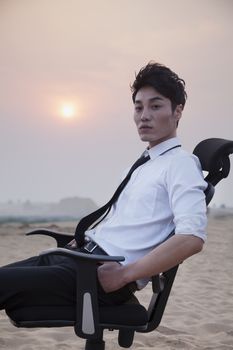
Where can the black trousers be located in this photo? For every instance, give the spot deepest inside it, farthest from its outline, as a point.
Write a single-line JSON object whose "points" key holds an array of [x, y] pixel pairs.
{"points": [[47, 280]]}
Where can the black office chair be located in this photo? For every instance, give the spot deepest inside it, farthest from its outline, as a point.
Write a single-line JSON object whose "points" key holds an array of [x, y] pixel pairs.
{"points": [[88, 319]]}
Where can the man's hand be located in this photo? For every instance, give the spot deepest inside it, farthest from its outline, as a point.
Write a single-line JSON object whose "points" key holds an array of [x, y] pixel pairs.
{"points": [[111, 276]]}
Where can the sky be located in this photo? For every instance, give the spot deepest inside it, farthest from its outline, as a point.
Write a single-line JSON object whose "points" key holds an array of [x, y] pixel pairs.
{"points": [[86, 53]]}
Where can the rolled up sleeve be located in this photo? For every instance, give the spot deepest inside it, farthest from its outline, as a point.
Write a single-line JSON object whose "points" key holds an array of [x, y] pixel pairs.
{"points": [[186, 187]]}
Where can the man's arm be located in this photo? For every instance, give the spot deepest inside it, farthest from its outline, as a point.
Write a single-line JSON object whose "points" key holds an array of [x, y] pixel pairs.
{"points": [[176, 249]]}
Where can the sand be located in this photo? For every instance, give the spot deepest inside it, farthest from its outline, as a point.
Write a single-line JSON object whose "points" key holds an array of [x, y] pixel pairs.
{"points": [[199, 314]]}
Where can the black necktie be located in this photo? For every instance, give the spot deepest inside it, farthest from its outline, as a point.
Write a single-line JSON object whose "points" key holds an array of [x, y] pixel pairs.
{"points": [[88, 220]]}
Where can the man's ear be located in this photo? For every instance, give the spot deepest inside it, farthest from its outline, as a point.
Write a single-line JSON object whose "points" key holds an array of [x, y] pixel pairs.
{"points": [[178, 112]]}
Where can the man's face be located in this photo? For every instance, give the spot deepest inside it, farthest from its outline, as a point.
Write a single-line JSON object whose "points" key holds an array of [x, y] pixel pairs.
{"points": [[153, 115]]}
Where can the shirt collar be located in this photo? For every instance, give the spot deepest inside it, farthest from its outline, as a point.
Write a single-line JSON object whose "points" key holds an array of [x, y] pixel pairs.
{"points": [[162, 147]]}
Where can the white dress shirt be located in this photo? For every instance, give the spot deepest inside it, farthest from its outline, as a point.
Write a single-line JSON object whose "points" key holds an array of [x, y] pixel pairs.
{"points": [[163, 194]]}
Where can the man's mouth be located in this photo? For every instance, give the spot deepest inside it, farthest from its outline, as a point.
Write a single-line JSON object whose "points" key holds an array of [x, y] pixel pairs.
{"points": [[144, 127]]}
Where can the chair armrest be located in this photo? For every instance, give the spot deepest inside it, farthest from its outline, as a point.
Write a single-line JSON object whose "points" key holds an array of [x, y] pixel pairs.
{"points": [[157, 283], [81, 256], [61, 238], [87, 308]]}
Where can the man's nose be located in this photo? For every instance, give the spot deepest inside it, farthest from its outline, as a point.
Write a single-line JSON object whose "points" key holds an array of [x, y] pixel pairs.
{"points": [[145, 115]]}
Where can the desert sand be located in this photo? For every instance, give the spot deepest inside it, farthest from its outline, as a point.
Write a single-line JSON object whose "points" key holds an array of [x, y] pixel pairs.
{"points": [[199, 313]]}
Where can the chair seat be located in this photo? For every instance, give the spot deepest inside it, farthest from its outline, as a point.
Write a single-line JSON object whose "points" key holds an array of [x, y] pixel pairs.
{"points": [[61, 316]]}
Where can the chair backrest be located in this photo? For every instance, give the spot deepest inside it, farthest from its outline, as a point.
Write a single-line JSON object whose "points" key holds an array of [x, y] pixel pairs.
{"points": [[214, 158]]}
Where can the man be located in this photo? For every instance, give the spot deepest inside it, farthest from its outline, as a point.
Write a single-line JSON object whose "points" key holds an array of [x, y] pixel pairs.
{"points": [[163, 194]]}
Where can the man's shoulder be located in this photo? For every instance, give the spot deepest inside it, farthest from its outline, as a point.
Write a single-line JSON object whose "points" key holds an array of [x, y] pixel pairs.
{"points": [[184, 164], [183, 156]]}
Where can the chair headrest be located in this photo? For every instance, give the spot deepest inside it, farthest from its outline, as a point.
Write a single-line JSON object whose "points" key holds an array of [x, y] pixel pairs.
{"points": [[214, 154]]}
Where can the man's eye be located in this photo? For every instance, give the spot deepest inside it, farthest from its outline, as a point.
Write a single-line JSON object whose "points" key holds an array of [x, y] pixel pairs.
{"points": [[138, 109], [155, 107]]}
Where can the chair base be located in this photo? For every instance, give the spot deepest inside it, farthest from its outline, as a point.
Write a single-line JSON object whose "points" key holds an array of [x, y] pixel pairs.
{"points": [[95, 345]]}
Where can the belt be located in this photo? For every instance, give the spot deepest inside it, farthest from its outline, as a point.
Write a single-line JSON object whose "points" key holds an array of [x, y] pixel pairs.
{"points": [[93, 248]]}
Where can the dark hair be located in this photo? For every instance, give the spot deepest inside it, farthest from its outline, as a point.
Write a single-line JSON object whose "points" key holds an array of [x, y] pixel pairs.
{"points": [[162, 79]]}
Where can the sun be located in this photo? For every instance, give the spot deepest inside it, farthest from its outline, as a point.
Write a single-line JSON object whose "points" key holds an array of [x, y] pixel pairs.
{"points": [[68, 111]]}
